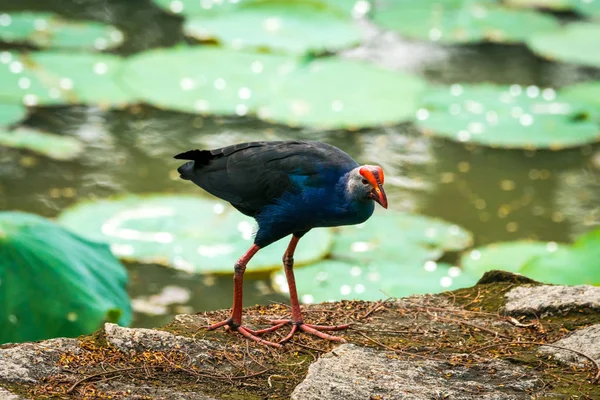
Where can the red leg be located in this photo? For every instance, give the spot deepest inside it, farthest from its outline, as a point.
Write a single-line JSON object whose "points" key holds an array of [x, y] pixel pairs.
{"points": [[296, 321], [235, 321]]}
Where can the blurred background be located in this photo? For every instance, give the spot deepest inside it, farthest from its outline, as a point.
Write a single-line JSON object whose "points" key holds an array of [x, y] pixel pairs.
{"points": [[484, 114]]}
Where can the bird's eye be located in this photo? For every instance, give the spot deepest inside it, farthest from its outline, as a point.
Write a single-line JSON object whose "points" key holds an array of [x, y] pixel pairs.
{"points": [[364, 181]]}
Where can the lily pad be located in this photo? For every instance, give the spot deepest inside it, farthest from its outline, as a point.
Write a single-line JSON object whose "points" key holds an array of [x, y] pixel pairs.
{"points": [[560, 5], [585, 92], [52, 78], [11, 113], [50, 30], [462, 21], [55, 283], [576, 43], [573, 265], [506, 256], [184, 232], [47, 144], [203, 80], [280, 25], [342, 94], [507, 117], [589, 8], [391, 254], [217, 7], [333, 280], [399, 236]]}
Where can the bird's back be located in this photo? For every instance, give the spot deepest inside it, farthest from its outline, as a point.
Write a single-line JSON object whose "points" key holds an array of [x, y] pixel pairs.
{"points": [[253, 175]]}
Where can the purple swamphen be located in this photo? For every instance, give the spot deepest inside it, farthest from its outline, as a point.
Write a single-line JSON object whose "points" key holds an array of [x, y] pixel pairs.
{"points": [[289, 187]]}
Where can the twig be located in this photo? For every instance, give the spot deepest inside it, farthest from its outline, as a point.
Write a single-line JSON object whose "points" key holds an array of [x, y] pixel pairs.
{"points": [[87, 378], [472, 325], [406, 353], [376, 307], [579, 353]]}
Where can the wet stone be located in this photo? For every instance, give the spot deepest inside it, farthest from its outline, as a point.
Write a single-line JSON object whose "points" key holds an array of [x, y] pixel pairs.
{"points": [[551, 300], [351, 372], [586, 341]]}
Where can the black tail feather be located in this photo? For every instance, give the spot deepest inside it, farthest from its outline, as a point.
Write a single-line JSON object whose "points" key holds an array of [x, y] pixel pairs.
{"points": [[194, 155]]}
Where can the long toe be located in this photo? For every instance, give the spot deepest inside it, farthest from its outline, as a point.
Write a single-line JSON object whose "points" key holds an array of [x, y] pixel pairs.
{"points": [[247, 332]]}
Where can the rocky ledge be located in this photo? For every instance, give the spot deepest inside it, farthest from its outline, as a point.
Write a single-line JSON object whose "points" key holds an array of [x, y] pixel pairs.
{"points": [[505, 338]]}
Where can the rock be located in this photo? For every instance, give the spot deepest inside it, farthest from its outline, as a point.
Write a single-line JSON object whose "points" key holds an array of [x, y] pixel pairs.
{"points": [[356, 373], [586, 340], [449, 346], [30, 362], [6, 395], [140, 339], [551, 300]]}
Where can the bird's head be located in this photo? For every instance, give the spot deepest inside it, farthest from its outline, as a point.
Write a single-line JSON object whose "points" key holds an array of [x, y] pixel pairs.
{"points": [[366, 182]]}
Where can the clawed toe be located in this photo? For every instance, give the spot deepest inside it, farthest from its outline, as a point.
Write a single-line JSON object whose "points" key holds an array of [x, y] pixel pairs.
{"points": [[246, 332], [316, 330]]}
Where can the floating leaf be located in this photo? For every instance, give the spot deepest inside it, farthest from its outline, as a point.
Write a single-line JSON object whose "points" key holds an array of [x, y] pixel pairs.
{"points": [[507, 256], [218, 7], [321, 93], [398, 236], [54, 283], [572, 265], [458, 21], [576, 43], [49, 78], [589, 8], [507, 117], [585, 92], [184, 232], [561, 5], [47, 144], [204, 80], [50, 30], [391, 252], [11, 113], [338, 94], [283, 25], [332, 280]]}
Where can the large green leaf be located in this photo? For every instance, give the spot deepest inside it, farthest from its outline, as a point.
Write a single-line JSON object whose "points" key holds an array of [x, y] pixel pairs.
{"points": [[333, 280], [184, 232], [585, 92], [576, 43], [325, 93], [11, 113], [217, 7], [548, 4], [399, 236], [546, 262], [48, 78], [508, 117], [47, 144], [295, 26], [589, 8], [204, 80], [50, 30], [461, 21], [573, 265], [54, 283], [507, 256], [390, 254], [334, 94]]}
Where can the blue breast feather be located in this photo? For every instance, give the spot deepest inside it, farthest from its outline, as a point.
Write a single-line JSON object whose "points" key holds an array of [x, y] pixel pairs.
{"points": [[310, 204]]}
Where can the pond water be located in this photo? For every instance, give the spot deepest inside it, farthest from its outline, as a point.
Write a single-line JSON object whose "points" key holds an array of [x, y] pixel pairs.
{"points": [[497, 194]]}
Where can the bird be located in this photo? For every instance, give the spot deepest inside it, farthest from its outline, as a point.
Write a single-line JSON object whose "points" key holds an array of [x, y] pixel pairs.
{"points": [[289, 187]]}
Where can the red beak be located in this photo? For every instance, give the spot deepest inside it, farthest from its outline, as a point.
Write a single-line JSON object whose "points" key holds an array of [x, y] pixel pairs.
{"points": [[378, 194]]}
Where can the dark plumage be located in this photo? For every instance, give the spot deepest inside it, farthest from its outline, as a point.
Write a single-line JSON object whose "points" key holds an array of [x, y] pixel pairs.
{"points": [[289, 187]]}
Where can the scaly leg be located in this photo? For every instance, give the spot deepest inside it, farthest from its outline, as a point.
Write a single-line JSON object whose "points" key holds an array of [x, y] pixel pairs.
{"points": [[235, 321], [296, 321]]}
